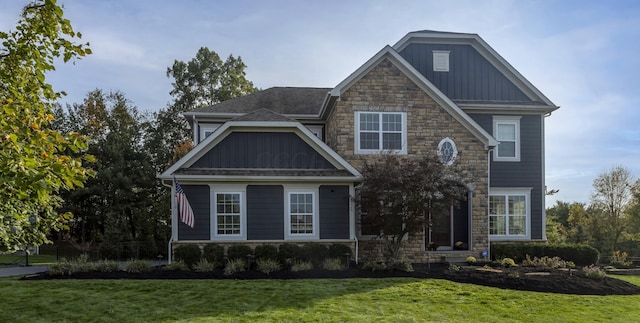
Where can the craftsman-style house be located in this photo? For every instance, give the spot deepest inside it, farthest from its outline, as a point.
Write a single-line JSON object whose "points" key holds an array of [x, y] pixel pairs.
{"points": [[282, 164]]}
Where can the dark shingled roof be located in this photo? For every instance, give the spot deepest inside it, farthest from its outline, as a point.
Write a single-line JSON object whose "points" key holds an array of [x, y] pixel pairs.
{"points": [[262, 115], [283, 100]]}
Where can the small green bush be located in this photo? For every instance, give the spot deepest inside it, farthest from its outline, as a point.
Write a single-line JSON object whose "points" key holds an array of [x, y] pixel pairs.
{"points": [[235, 266], [314, 252], [507, 262], [267, 266], [239, 251], [619, 259], [454, 267], [266, 252], [176, 265], [580, 254], [339, 251], [299, 265], [61, 268], [594, 272], [138, 266], [333, 264], [288, 253], [374, 265], [107, 266], [471, 260], [402, 264], [213, 253], [189, 253], [545, 262], [204, 266]]}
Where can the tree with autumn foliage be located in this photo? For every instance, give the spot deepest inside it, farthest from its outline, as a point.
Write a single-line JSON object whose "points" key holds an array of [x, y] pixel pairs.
{"points": [[402, 195], [37, 163]]}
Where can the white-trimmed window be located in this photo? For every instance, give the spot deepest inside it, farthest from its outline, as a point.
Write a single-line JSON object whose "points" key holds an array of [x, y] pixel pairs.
{"points": [[506, 129], [228, 215], [447, 151], [378, 132], [302, 215], [509, 213], [206, 129]]}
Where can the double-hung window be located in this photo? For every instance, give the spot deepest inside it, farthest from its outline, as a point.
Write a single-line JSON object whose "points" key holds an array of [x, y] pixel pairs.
{"points": [[506, 130], [302, 215], [509, 212], [228, 215], [378, 132]]}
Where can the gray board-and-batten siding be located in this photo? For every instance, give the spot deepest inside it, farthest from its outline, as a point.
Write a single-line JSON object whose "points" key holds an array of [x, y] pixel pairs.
{"points": [[528, 172], [282, 150], [266, 212], [470, 77]]}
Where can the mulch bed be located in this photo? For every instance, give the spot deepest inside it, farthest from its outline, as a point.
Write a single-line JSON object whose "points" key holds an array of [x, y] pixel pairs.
{"points": [[517, 278]]}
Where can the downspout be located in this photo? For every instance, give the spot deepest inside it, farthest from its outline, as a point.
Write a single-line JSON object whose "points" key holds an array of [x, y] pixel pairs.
{"points": [[169, 258]]}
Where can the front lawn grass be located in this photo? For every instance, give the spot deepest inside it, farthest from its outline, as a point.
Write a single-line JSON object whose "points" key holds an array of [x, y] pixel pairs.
{"points": [[318, 300]]}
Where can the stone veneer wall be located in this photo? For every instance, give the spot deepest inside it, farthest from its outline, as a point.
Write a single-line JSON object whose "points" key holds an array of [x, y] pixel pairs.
{"points": [[386, 89]]}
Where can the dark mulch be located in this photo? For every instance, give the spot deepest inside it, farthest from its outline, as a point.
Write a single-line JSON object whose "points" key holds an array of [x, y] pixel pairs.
{"points": [[517, 278]]}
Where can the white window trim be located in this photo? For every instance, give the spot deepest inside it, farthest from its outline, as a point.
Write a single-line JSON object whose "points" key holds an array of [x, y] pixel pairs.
{"points": [[206, 127], [526, 191], [316, 213], [455, 150], [214, 212], [402, 151], [514, 120], [441, 60]]}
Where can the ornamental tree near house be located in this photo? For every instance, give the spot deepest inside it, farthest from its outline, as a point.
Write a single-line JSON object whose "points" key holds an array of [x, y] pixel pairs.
{"points": [[401, 196], [35, 161]]}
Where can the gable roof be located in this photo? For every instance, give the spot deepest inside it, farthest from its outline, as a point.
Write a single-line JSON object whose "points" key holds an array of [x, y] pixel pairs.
{"points": [[282, 100], [343, 172], [263, 115], [389, 53], [475, 41]]}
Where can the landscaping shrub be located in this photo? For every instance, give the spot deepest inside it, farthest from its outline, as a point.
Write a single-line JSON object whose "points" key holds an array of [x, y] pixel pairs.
{"points": [[238, 251], [234, 266], [61, 268], [204, 266], [619, 259], [213, 253], [594, 272], [107, 266], [580, 254], [288, 253], [507, 262], [333, 264], [314, 252], [471, 260], [266, 252], [547, 262], [267, 265], [189, 253], [374, 265], [339, 251], [402, 264], [138, 266], [176, 265], [299, 265]]}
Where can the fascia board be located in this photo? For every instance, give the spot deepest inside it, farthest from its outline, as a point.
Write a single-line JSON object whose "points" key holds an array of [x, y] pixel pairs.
{"points": [[508, 108], [235, 178]]}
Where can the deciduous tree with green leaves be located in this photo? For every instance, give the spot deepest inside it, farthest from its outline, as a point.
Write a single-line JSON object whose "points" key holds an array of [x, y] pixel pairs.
{"points": [[36, 162]]}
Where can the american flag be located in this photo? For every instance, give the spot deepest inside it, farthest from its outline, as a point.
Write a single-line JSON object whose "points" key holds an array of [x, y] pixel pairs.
{"points": [[186, 213]]}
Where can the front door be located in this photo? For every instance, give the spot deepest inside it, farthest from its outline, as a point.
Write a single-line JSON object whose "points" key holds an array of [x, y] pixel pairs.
{"points": [[449, 226], [441, 235]]}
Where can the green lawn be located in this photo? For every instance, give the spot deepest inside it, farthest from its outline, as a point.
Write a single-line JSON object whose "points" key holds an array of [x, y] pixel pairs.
{"points": [[321, 300]]}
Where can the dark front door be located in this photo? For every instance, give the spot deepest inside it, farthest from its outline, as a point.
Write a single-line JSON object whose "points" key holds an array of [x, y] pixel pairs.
{"points": [[441, 230], [449, 227]]}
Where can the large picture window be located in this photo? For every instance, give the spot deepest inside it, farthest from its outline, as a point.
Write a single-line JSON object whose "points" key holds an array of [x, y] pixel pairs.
{"points": [[378, 132], [506, 130], [301, 215], [509, 213], [228, 214]]}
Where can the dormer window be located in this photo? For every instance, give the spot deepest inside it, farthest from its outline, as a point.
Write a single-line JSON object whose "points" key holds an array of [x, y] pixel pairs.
{"points": [[441, 61]]}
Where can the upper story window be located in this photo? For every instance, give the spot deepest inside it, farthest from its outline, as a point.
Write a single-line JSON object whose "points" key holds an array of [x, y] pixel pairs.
{"points": [[447, 151], [509, 213], [207, 129], [378, 132], [441, 61], [506, 130]]}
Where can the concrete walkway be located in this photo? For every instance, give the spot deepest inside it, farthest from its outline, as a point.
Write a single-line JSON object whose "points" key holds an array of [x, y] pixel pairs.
{"points": [[22, 270]]}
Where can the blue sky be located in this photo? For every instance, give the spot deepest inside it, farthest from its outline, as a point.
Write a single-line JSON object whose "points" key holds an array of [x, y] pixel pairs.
{"points": [[583, 55]]}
